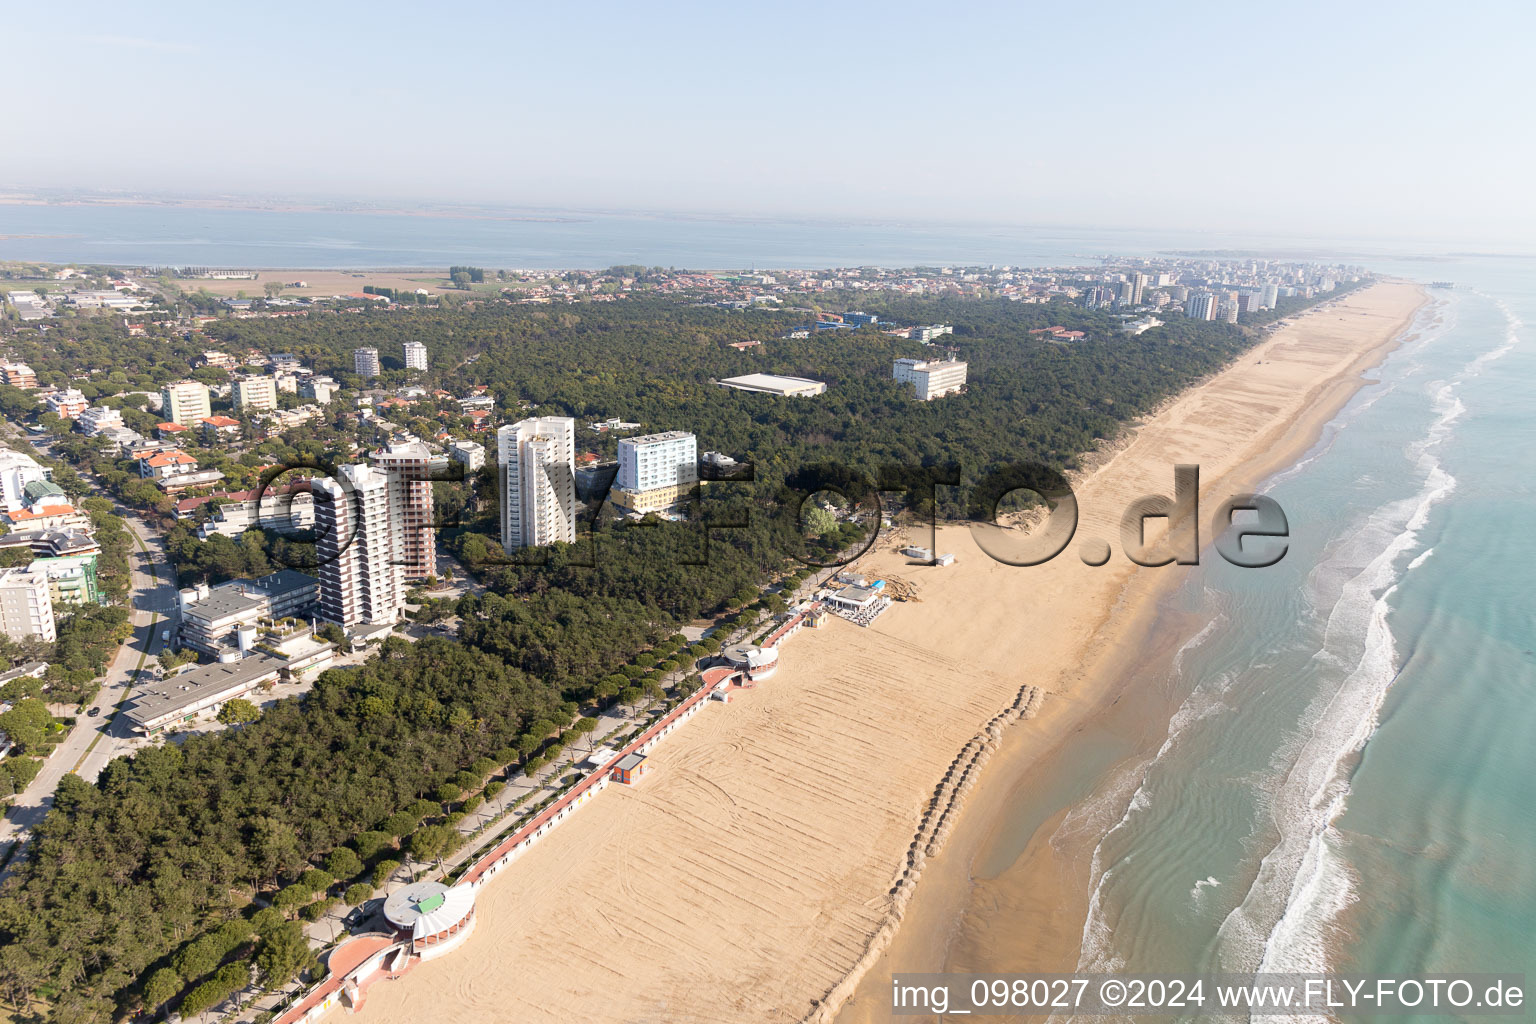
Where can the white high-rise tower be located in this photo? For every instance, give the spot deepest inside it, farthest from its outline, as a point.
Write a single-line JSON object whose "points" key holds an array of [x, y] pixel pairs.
{"points": [[358, 544], [536, 459]]}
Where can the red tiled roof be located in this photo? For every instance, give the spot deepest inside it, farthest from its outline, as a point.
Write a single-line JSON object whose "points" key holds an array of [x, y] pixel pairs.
{"points": [[26, 515], [170, 459]]}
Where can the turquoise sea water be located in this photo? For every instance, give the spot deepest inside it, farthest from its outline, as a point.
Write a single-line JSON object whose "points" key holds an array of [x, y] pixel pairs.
{"points": [[1349, 781]]}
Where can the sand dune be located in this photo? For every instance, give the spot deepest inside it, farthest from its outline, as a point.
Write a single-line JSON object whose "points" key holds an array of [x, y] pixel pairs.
{"points": [[773, 847]]}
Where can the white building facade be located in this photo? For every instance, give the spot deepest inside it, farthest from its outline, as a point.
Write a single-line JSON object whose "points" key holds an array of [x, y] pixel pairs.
{"points": [[536, 461], [184, 403], [16, 471], [26, 609], [930, 379], [655, 471], [365, 361], [358, 546], [415, 355], [256, 393]]}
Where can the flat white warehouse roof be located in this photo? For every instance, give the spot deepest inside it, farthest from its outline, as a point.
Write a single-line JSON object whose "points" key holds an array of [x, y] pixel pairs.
{"points": [[774, 384]]}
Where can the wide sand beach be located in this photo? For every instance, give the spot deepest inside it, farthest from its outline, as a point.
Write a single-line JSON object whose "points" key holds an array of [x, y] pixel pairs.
{"points": [[810, 833]]}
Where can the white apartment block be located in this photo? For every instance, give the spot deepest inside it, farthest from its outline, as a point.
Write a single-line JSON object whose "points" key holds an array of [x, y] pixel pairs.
{"points": [[25, 607], [408, 464], [365, 361], [256, 393], [930, 379], [184, 403], [1201, 306], [357, 542], [536, 460], [469, 453], [656, 471], [321, 389], [99, 418], [415, 355], [16, 471]]}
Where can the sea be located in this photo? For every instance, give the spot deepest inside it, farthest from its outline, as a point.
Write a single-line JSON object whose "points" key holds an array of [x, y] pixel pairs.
{"points": [[1343, 773], [170, 235], [1346, 782]]}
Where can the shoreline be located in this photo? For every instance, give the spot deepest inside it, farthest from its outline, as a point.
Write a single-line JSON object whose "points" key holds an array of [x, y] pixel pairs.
{"points": [[773, 850], [939, 934]]}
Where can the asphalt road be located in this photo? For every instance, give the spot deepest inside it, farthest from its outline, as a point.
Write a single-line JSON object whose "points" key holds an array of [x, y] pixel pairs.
{"points": [[96, 740]]}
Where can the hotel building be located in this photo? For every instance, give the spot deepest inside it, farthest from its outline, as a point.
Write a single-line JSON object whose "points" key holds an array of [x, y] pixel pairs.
{"points": [[415, 355], [656, 471], [930, 379]]}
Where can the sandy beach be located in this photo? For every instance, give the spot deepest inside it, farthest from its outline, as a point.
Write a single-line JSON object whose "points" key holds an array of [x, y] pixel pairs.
{"points": [[771, 858]]}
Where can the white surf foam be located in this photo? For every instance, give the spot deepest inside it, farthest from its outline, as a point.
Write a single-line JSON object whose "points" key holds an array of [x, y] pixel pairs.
{"points": [[1286, 919]]}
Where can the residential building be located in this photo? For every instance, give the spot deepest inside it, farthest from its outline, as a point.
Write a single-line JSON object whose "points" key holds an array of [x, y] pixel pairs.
{"points": [[16, 471], [1138, 284], [321, 389], [18, 375], [71, 579], [930, 379], [25, 606], [415, 355], [656, 471], [408, 464], [44, 492], [286, 508], [284, 362], [218, 429], [772, 384], [468, 453], [60, 515], [166, 464], [358, 547], [181, 482], [1201, 306], [255, 394], [98, 419], [52, 543], [68, 403], [184, 403], [365, 361], [536, 461]]}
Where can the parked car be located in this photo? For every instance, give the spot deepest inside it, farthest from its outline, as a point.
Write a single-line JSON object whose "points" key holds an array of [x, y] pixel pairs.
{"points": [[93, 712]]}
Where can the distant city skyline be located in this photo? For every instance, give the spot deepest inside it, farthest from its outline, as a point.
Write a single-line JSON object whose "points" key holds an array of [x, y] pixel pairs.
{"points": [[1369, 120]]}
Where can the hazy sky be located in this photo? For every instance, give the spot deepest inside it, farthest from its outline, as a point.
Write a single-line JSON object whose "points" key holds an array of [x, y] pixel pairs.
{"points": [[1408, 119]]}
